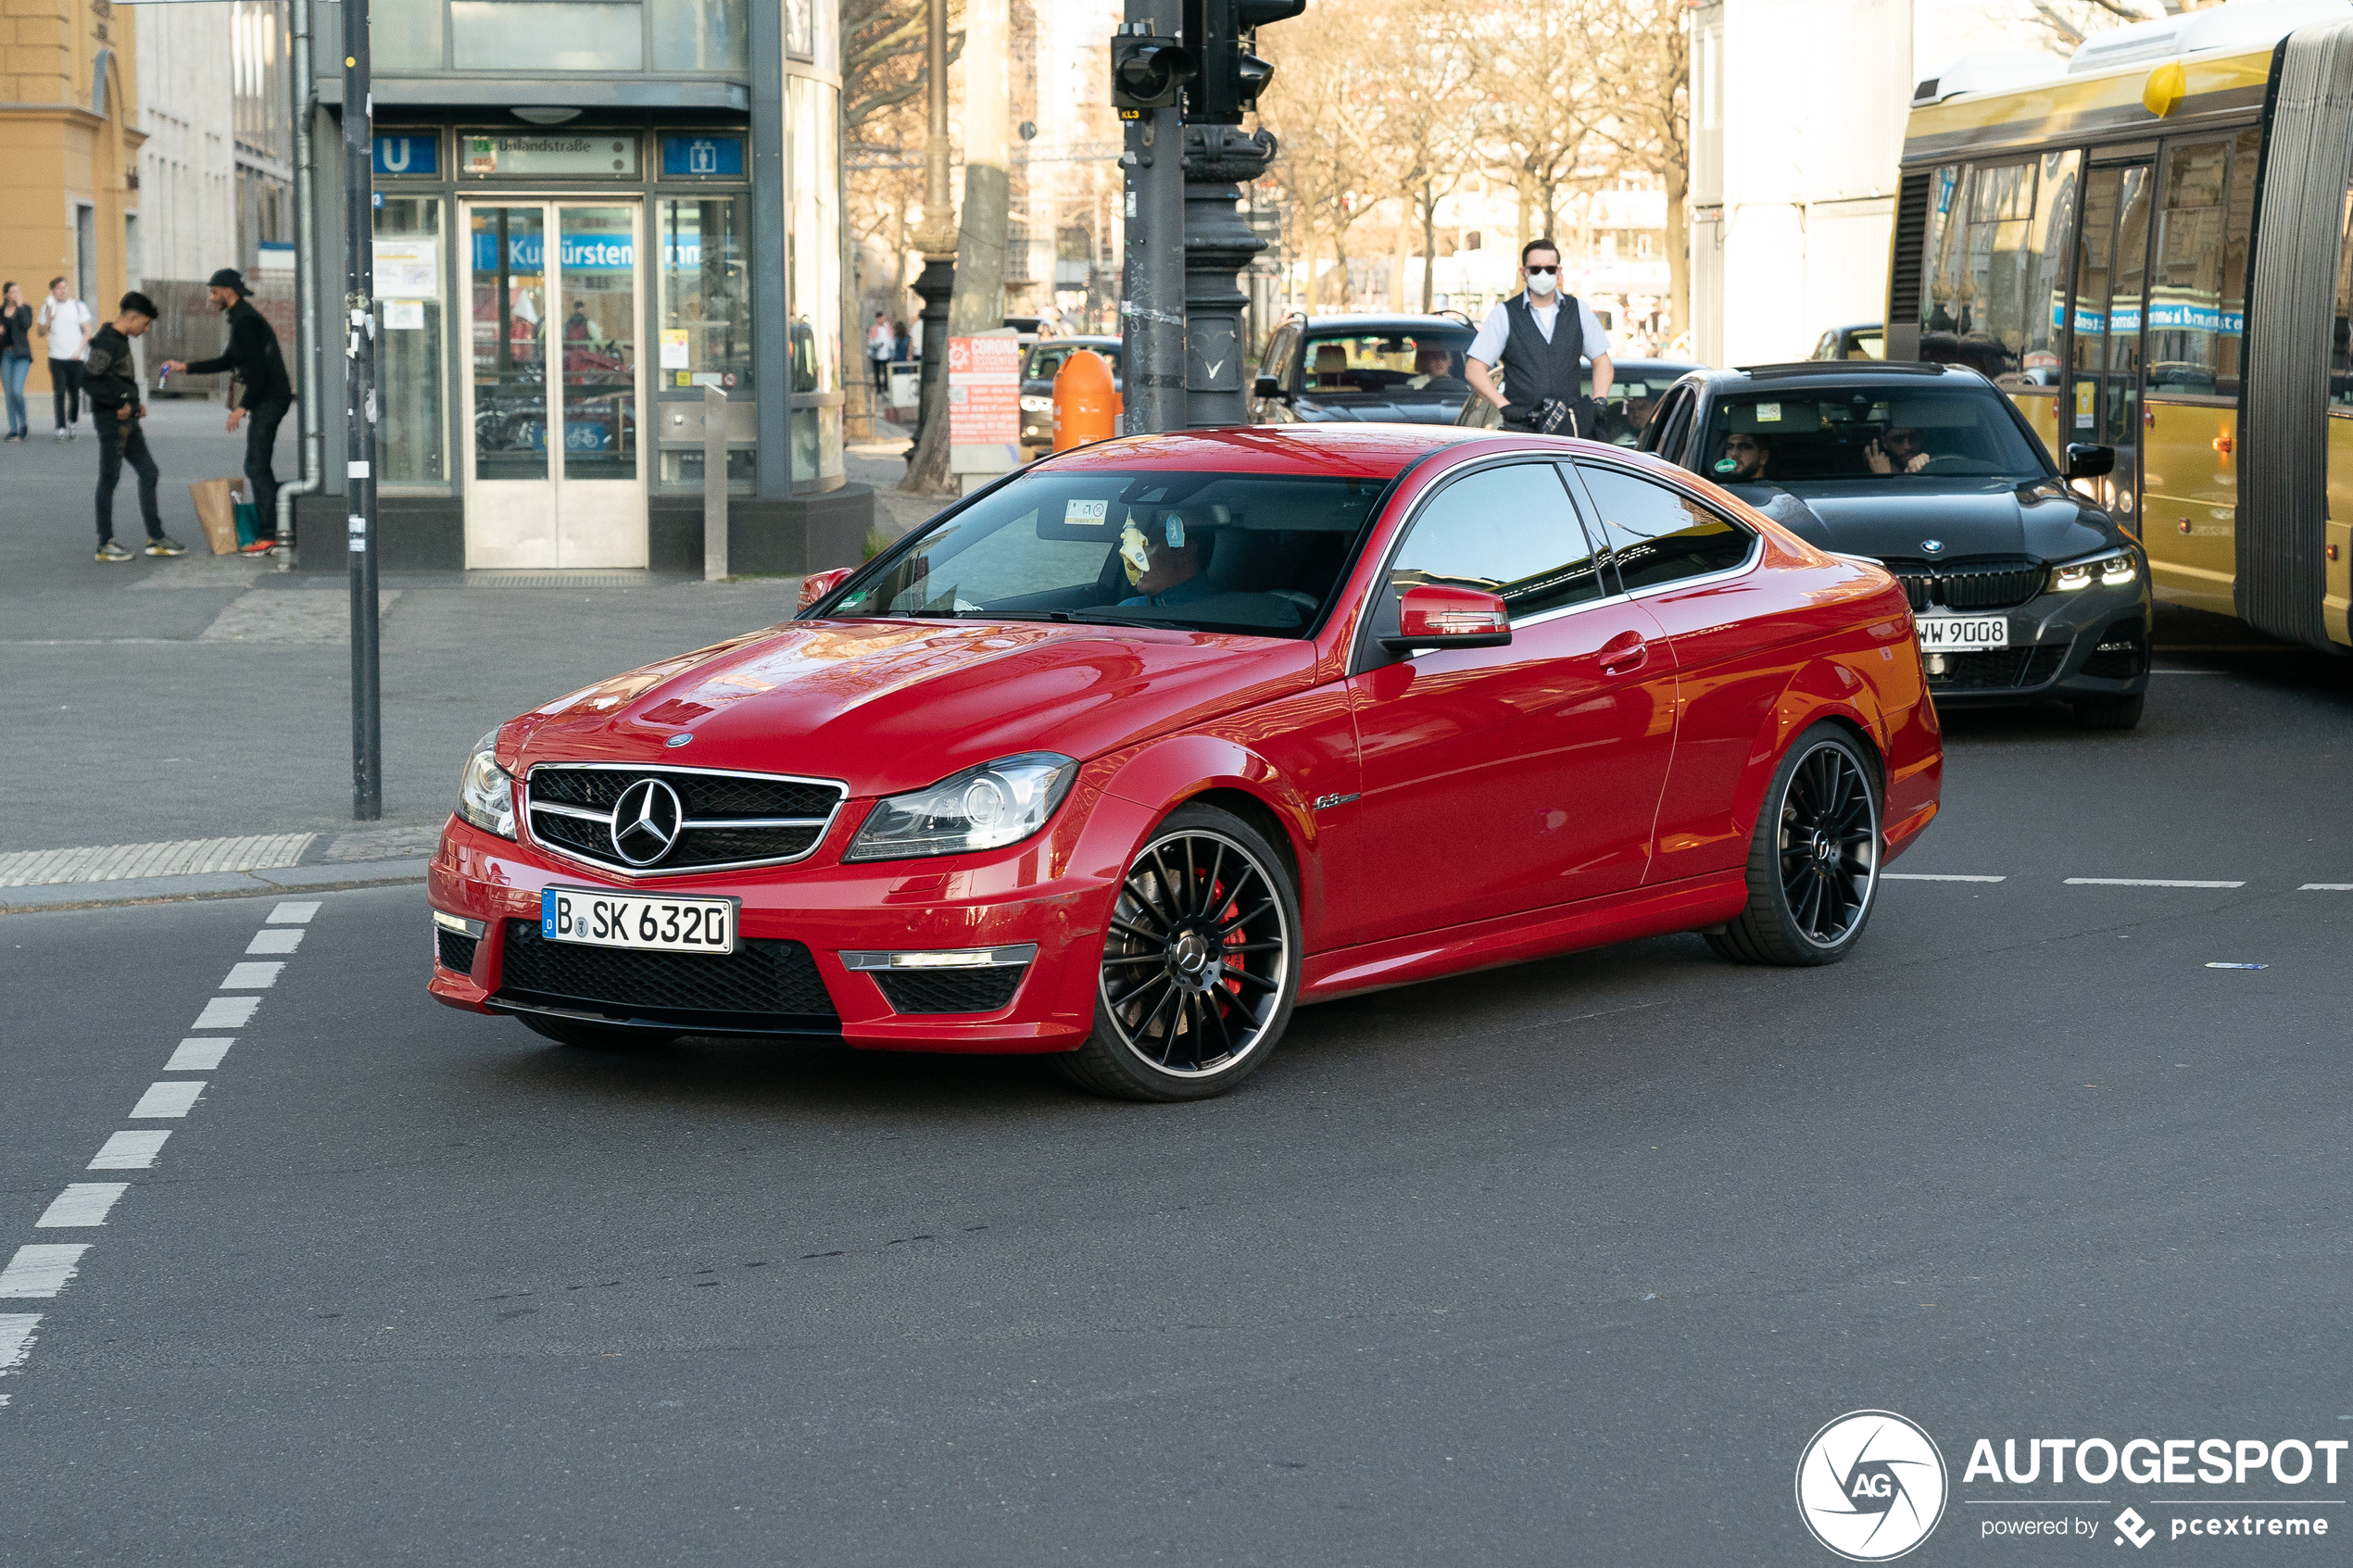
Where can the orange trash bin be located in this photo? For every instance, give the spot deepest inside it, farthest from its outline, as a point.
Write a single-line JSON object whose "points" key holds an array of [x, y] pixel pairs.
{"points": [[1086, 409]]}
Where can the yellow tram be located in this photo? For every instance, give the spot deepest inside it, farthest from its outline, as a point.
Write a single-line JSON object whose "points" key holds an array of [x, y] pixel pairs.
{"points": [[2151, 253]]}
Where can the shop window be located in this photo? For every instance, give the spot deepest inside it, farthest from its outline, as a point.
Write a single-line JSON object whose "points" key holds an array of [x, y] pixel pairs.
{"points": [[2197, 292], [413, 428], [701, 35], [812, 274], [1993, 300], [519, 35], [706, 319]]}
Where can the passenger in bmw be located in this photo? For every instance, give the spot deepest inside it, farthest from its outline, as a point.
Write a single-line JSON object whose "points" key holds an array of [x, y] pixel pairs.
{"points": [[1899, 451]]}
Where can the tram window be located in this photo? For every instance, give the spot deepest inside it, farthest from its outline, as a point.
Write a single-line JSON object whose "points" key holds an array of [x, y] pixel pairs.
{"points": [[2341, 345], [2198, 291], [1994, 291], [1940, 250]]}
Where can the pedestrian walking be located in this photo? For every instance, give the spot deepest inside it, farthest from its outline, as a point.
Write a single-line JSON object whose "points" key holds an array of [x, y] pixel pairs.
{"points": [[1540, 362], [16, 357], [253, 357], [65, 321], [116, 408], [880, 342]]}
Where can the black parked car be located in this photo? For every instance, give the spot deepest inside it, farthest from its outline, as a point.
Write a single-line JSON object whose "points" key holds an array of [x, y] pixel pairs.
{"points": [[1634, 390], [2022, 588], [1378, 368], [1046, 358]]}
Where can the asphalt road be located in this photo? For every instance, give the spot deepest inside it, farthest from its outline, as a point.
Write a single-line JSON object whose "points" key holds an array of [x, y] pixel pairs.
{"points": [[1559, 1264]]}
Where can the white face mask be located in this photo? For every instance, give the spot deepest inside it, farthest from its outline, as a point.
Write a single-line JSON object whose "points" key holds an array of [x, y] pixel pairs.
{"points": [[1542, 285]]}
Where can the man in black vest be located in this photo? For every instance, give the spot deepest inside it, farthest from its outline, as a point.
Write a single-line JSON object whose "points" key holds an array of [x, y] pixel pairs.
{"points": [[1539, 361], [253, 357]]}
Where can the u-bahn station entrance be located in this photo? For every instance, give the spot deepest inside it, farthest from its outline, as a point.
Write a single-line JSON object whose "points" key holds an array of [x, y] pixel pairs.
{"points": [[587, 213]]}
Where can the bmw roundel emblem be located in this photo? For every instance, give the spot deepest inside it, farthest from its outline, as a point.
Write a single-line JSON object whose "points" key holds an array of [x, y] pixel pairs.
{"points": [[1932, 546], [681, 740]]}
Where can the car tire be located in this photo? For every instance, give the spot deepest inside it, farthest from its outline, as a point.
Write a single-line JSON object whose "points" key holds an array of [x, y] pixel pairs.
{"points": [[594, 1036], [1199, 966], [2110, 713], [1813, 862]]}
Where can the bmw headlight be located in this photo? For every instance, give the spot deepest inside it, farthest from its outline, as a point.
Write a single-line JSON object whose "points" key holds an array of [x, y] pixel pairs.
{"points": [[2112, 569], [984, 807], [1033, 404], [486, 791]]}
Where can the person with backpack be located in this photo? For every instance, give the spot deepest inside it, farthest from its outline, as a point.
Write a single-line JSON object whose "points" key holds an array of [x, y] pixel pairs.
{"points": [[116, 408], [66, 322], [260, 369], [1540, 362]]}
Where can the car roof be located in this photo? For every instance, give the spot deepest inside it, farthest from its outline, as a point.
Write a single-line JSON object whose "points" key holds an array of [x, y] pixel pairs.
{"points": [[1843, 372], [1351, 450], [1386, 323]]}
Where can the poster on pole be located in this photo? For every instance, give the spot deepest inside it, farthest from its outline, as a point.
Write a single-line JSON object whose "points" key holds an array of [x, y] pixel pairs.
{"points": [[984, 403]]}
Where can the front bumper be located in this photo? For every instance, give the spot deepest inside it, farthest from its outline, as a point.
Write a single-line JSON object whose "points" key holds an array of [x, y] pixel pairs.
{"points": [[2091, 643], [1043, 902]]}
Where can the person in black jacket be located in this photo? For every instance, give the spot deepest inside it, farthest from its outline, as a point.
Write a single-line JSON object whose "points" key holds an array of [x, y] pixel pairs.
{"points": [[260, 369], [110, 380], [16, 358]]}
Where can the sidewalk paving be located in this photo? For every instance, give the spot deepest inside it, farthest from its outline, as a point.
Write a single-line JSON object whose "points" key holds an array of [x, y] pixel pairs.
{"points": [[197, 698]]}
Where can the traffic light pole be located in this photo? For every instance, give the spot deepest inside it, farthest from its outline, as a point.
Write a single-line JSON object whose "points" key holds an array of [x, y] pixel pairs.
{"points": [[1152, 311], [1219, 242], [359, 414]]}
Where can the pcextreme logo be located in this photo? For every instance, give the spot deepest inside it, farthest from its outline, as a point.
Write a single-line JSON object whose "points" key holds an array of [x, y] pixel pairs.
{"points": [[1871, 1486]]}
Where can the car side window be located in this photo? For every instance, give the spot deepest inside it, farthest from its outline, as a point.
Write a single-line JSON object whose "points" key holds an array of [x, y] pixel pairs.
{"points": [[1278, 360], [1666, 431], [1658, 534], [1512, 532]]}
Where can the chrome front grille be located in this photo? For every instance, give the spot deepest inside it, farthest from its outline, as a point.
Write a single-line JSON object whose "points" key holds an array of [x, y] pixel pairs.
{"points": [[1975, 584], [693, 819]]}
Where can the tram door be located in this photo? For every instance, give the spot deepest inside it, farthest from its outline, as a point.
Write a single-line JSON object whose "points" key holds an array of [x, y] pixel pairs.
{"points": [[2111, 268]]}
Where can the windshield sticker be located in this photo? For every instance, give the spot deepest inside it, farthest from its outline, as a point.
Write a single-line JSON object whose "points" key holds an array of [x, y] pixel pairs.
{"points": [[1092, 512], [1769, 413]]}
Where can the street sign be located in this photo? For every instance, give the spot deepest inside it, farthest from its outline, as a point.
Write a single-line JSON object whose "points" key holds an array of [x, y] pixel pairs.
{"points": [[410, 157], [984, 404], [705, 158]]}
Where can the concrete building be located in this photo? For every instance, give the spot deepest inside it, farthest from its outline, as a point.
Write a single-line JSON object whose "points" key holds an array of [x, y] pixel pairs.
{"points": [[69, 143], [588, 211], [187, 220]]}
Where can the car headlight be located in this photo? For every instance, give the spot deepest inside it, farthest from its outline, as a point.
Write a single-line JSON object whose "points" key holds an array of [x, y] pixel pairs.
{"points": [[984, 807], [1036, 405], [486, 791], [2111, 567]]}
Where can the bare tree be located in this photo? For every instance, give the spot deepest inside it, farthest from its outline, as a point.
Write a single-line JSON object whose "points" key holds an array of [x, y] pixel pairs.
{"points": [[1647, 62], [2067, 23], [1430, 120]]}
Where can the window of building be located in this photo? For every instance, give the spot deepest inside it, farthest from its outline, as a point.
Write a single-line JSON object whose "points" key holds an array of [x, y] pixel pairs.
{"points": [[701, 35], [412, 427], [1511, 531], [405, 34], [812, 281], [2198, 291], [1659, 535], [525, 35], [702, 245]]}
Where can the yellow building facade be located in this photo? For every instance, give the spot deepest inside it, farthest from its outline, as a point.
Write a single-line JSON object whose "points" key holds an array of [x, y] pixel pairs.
{"points": [[69, 152]]}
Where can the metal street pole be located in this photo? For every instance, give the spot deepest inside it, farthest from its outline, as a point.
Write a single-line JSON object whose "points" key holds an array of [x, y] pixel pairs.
{"points": [[1219, 241], [360, 412], [1151, 311]]}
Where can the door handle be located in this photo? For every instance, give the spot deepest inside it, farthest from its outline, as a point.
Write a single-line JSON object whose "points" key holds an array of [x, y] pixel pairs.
{"points": [[1624, 654]]}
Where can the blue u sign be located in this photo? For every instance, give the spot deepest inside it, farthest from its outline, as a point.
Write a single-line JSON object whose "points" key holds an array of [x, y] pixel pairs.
{"points": [[412, 156]]}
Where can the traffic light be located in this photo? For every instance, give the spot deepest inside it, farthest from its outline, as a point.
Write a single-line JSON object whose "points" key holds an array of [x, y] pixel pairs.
{"points": [[1227, 78], [1147, 71]]}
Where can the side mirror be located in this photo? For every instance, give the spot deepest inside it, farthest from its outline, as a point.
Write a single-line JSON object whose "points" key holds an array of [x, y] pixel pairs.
{"points": [[1266, 387], [1434, 616], [2087, 462], [817, 584]]}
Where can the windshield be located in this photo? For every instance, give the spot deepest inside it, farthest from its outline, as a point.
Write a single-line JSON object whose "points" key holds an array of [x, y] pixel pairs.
{"points": [[1046, 359], [1388, 363], [1216, 552], [1774, 437]]}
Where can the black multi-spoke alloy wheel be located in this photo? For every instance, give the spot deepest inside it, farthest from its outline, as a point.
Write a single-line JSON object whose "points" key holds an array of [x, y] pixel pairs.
{"points": [[594, 1036], [1813, 866], [1199, 967]]}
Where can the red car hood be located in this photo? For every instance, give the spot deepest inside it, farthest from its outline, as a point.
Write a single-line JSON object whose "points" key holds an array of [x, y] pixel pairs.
{"points": [[889, 706]]}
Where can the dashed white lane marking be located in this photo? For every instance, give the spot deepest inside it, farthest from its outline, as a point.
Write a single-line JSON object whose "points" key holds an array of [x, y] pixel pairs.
{"points": [[198, 1056], [1925, 876], [16, 1338], [38, 1271], [293, 915], [130, 1151], [267, 941], [82, 1203], [252, 976], [169, 1098], [2143, 882], [227, 1012], [2326, 887]]}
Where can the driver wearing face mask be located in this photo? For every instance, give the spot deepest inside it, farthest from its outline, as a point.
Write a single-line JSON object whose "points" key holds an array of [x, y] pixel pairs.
{"points": [[1523, 336]]}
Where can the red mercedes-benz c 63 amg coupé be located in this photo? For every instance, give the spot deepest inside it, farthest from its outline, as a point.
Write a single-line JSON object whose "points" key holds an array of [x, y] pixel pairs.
{"points": [[1127, 755]]}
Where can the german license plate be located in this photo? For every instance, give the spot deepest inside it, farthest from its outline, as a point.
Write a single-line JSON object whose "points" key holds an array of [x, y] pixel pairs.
{"points": [[1962, 633], [642, 923]]}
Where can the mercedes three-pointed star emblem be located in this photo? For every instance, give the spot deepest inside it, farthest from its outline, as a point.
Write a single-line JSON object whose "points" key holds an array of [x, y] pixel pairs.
{"points": [[645, 821]]}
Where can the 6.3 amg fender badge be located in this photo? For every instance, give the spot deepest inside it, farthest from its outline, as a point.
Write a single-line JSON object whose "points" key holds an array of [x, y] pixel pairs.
{"points": [[1326, 802]]}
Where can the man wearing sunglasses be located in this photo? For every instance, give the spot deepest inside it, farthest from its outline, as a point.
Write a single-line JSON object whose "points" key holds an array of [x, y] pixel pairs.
{"points": [[1539, 361]]}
